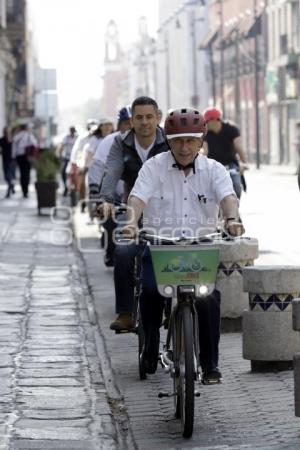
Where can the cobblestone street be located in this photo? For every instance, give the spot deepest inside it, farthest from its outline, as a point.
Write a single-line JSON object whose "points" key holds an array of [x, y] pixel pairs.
{"points": [[52, 390]]}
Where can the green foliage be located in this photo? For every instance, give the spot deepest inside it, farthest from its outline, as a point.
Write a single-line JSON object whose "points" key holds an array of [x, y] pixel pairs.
{"points": [[47, 166]]}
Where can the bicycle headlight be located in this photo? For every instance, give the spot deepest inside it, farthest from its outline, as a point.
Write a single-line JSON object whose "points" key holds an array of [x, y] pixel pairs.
{"points": [[203, 290], [168, 290]]}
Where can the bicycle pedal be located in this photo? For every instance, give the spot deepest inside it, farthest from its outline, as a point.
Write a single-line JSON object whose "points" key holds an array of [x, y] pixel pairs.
{"points": [[211, 382], [123, 331], [165, 394]]}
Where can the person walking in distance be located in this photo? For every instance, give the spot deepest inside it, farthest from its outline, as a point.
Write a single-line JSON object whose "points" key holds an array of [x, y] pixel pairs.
{"points": [[23, 140], [65, 150], [7, 161]]}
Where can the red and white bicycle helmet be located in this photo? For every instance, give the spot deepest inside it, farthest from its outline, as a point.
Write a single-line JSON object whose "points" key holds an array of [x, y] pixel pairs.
{"points": [[212, 114], [185, 122]]}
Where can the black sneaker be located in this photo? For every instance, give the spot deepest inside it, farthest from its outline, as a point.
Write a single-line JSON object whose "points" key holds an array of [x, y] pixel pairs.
{"points": [[149, 363], [213, 376], [109, 262]]}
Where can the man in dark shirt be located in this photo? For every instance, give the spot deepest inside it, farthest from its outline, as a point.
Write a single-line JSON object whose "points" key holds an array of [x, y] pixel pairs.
{"points": [[223, 143], [8, 165]]}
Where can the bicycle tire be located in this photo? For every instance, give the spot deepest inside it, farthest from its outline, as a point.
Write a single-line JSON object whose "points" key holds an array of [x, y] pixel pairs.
{"points": [[176, 386], [186, 372], [141, 340]]}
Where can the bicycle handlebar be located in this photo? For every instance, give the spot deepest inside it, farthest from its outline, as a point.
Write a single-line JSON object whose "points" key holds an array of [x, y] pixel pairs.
{"points": [[143, 237], [161, 240]]}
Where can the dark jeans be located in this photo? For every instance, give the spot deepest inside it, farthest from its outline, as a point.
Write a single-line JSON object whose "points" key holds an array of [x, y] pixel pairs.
{"points": [[64, 163], [8, 171], [236, 179], [152, 306], [24, 167], [124, 277], [109, 227]]}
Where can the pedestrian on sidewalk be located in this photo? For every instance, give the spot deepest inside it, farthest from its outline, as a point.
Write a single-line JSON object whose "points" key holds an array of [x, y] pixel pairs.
{"points": [[23, 141], [7, 161], [65, 150]]}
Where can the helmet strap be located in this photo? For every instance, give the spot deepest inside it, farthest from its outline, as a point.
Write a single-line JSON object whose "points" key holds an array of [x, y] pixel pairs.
{"points": [[188, 166]]}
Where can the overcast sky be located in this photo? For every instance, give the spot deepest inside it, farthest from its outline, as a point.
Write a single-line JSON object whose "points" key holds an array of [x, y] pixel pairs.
{"points": [[70, 37]]}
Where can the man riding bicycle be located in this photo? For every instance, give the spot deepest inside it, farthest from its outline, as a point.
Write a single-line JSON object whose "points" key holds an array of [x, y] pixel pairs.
{"points": [[179, 193], [126, 157], [96, 173], [223, 143]]}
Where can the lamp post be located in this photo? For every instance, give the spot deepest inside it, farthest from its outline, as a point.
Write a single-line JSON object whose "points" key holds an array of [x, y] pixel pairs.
{"points": [[168, 80], [222, 65], [195, 96], [256, 78]]}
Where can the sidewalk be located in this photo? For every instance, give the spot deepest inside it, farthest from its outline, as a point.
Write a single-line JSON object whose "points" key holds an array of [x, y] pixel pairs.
{"points": [[55, 392]]}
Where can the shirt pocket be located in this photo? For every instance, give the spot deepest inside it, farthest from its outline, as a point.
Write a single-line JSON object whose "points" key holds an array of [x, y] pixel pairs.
{"points": [[160, 206]]}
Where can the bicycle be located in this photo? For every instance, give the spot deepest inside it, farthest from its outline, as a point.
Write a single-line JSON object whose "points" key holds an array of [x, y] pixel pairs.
{"points": [[180, 356]]}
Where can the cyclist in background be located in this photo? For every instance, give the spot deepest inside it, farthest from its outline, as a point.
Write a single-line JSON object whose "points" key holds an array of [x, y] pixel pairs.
{"points": [[223, 143], [97, 165], [179, 193], [96, 173], [76, 164], [126, 157], [105, 128]]}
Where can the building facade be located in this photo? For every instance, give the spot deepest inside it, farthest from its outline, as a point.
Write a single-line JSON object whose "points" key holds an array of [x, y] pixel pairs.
{"points": [[20, 61], [282, 78], [180, 74], [253, 52]]}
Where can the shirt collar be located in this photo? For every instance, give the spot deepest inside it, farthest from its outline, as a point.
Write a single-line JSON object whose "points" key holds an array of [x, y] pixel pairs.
{"points": [[198, 162]]}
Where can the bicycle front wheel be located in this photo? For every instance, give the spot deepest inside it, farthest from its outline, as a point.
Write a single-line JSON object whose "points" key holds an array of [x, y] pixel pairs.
{"points": [[186, 382]]}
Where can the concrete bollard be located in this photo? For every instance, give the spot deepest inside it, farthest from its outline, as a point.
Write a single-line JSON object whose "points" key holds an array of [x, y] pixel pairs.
{"points": [[234, 257], [296, 327], [267, 326]]}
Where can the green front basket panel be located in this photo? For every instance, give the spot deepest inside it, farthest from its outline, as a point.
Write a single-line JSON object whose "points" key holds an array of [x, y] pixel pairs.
{"points": [[184, 266]]}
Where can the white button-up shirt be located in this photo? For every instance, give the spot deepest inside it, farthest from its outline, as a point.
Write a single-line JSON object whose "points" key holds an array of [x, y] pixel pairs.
{"points": [[20, 141], [179, 205], [67, 145]]}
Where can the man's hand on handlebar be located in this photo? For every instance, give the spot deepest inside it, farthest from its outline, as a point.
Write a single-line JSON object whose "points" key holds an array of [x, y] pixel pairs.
{"points": [[130, 231], [234, 228], [103, 210]]}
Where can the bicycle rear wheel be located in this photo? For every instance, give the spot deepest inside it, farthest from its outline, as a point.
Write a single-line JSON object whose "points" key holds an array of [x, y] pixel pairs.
{"points": [[137, 316], [141, 338], [186, 382]]}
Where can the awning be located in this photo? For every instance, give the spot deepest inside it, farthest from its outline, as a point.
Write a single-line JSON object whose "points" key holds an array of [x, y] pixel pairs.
{"points": [[209, 38]]}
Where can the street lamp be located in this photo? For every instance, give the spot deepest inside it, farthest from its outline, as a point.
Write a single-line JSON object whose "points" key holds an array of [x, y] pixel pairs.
{"points": [[222, 66], [256, 95], [168, 79]]}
